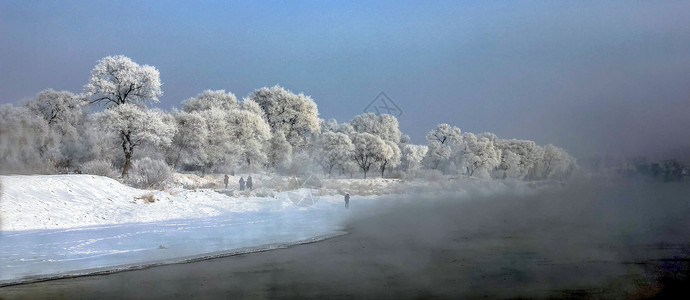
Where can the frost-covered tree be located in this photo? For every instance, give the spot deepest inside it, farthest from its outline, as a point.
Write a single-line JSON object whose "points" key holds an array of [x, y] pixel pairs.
{"points": [[336, 150], [188, 140], [295, 115], [389, 157], [135, 126], [527, 151], [279, 152], [441, 142], [58, 108], [98, 142], [555, 163], [235, 132], [479, 154], [444, 133], [346, 128], [489, 135], [211, 99], [64, 113], [437, 153], [218, 148], [251, 106], [510, 164], [27, 144], [384, 126], [330, 125], [412, 156], [117, 80], [250, 132], [368, 150]]}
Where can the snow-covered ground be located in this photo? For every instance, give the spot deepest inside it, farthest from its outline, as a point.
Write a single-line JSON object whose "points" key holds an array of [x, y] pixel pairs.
{"points": [[65, 201], [64, 223]]}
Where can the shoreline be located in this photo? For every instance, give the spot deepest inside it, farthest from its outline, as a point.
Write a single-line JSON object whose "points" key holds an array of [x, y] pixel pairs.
{"points": [[174, 261]]}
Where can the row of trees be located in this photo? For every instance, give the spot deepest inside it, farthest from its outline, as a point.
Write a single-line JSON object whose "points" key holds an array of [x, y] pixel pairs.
{"points": [[272, 129]]}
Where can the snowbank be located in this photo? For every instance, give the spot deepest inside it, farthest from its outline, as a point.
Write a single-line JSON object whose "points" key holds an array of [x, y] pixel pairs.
{"points": [[64, 201]]}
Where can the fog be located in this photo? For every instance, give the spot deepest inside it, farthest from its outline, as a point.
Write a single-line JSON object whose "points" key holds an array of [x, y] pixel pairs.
{"points": [[604, 240], [615, 239]]}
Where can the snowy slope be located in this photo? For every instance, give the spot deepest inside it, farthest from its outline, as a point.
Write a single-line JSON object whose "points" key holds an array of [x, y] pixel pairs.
{"points": [[64, 224], [64, 201]]}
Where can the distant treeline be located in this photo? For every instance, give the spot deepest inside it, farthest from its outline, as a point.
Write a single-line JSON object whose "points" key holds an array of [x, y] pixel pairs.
{"points": [[110, 130]]}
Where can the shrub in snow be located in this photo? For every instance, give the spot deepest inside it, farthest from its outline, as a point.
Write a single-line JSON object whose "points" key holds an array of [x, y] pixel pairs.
{"points": [[99, 167], [148, 198], [210, 185], [149, 173]]}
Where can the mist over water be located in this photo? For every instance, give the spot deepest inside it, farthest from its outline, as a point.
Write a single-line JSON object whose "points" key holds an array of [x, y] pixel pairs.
{"points": [[611, 239]]}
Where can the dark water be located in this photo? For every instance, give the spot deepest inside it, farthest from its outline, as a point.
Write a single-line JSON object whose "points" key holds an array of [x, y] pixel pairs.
{"points": [[584, 240]]}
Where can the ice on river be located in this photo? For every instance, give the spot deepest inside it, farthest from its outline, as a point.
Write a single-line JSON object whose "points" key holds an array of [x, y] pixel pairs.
{"points": [[42, 252]]}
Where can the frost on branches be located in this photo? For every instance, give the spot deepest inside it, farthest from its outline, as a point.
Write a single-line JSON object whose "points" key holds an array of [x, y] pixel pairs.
{"points": [[231, 133], [368, 149], [64, 113], [293, 114], [479, 154], [26, 142], [440, 141], [412, 156], [134, 127], [213, 131], [117, 80], [335, 151], [209, 99]]}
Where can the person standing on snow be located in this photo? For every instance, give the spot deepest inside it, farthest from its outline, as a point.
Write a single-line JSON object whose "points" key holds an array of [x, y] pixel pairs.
{"points": [[241, 183], [249, 182], [226, 180], [347, 200]]}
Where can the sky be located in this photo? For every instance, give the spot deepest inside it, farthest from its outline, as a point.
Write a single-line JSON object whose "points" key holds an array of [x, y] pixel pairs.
{"points": [[594, 77]]}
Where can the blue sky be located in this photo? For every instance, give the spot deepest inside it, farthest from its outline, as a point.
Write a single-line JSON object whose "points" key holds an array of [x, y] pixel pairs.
{"points": [[594, 77]]}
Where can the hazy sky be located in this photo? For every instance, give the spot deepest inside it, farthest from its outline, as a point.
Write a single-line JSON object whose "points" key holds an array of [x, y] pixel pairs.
{"points": [[590, 76]]}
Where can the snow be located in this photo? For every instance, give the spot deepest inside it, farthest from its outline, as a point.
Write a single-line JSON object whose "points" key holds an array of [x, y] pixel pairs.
{"points": [[64, 201], [65, 223]]}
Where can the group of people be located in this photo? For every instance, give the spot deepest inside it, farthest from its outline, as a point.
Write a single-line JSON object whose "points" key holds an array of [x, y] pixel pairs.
{"points": [[249, 183]]}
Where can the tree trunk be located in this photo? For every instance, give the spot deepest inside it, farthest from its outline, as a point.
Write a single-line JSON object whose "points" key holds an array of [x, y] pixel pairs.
{"points": [[128, 163], [383, 168], [127, 148]]}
